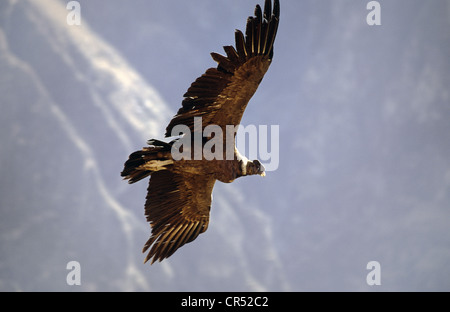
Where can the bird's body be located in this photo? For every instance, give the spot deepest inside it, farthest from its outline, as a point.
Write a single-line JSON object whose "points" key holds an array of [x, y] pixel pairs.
{"points": [[180, 190]]}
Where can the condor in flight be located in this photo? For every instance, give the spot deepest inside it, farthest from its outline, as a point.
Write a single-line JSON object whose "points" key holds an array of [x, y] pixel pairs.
{"points": [[180, 190]]}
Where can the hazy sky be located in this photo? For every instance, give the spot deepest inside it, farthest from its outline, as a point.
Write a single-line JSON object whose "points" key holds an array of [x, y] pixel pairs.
{"points": [[364, 146]]}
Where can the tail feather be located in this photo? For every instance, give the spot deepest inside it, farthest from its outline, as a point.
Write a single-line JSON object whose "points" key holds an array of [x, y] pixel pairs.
{"points": [[143, 163]]}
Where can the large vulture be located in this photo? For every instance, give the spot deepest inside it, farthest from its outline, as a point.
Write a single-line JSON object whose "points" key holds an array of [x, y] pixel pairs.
{"points": [[180, 190]]}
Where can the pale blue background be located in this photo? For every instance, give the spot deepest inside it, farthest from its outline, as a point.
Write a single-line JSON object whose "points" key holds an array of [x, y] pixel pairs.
{"points": [[364, 116]]}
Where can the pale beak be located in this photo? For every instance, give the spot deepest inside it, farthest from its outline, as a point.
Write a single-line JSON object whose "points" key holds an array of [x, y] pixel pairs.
{"points": [[263, 174]]}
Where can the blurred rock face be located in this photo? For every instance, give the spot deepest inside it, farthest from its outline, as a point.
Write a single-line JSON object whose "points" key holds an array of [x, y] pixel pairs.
{"points": [[363, 172]]}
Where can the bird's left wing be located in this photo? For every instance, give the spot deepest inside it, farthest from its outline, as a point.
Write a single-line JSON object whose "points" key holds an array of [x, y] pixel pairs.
{"points": [[177, 208]]}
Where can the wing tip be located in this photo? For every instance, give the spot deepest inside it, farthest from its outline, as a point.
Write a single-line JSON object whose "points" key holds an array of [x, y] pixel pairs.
{"points": [[170, 235], [276, 8], [260, 33], [261, 30]]}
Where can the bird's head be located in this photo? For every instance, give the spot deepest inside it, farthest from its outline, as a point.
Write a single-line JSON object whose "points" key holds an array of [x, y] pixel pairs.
{"points": [[255, 167]]}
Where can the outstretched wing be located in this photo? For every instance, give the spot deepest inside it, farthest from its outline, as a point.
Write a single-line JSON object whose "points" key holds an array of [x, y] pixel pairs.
{"points": [[220, 96], [177, 208]]}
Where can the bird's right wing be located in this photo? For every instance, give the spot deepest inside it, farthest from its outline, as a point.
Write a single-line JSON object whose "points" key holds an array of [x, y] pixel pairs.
{"points": [[221, 94]]}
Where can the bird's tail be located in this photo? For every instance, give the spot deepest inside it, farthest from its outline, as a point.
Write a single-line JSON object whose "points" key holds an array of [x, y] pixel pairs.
{"points": [[143, 163]]}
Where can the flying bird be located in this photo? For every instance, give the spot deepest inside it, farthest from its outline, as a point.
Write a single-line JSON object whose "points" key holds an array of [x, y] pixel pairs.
{"points": [[179, 195]]}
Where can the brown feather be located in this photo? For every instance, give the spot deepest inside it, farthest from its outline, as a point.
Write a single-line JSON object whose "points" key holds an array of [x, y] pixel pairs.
{"points": [[232, 54], [240, 46], [267, 9]]}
